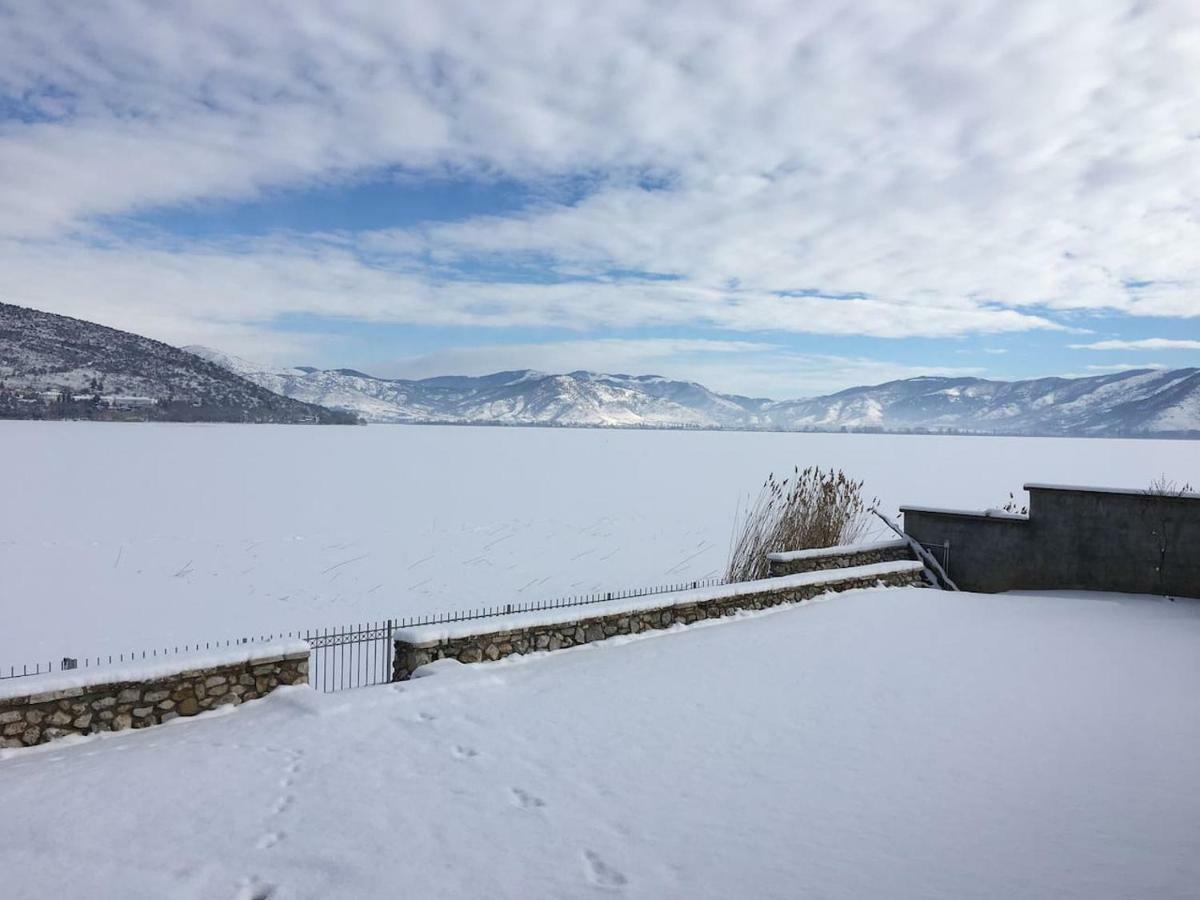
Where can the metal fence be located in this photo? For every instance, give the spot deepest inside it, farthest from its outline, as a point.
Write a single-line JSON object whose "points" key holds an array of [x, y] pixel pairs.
{"points": [[350, 656]]}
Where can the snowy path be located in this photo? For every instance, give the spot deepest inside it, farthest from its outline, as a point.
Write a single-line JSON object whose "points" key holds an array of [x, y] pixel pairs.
{"points": [[116, 538], [902, 743]]}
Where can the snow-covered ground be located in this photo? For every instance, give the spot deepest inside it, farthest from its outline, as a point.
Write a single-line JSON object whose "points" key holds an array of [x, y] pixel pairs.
{"points": [[886, 743], [122, 537]]}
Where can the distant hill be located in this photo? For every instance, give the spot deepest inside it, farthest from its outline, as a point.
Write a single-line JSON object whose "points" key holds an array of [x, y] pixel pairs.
{"points": [[1140, 402], [522, 397], [1135, 403], [57, 367]]}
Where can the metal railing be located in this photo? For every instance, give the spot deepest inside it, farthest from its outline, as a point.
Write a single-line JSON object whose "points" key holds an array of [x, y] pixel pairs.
{"points": [[940, 552], [350, 656]]}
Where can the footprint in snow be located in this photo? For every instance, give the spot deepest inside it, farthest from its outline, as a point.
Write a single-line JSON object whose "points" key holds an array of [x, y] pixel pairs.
{"points": [[269, 840], [601, 874], [253, 889], [461, 752], [526, 800]]}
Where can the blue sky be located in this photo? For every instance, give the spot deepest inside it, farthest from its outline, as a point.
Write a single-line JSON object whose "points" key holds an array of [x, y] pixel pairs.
{"points": [[773, 199]]}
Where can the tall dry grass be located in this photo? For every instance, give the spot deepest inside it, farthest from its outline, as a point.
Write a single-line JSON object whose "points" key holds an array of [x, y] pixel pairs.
{"points": [[809, 508]]}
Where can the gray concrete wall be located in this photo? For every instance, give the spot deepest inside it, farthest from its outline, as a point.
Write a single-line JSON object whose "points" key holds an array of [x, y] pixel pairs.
{"points": [[1074, 538]]}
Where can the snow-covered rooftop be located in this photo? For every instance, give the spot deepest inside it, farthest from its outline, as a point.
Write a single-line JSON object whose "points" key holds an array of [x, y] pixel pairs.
{"points": [[887, 743]]}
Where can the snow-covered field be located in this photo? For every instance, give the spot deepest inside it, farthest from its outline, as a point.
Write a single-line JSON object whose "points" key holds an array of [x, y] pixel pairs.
{"points": [[887, 743], [118, 537]]}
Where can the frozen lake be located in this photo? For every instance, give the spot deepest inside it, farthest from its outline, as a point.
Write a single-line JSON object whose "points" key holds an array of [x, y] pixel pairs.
{"points": [[117, 537]]}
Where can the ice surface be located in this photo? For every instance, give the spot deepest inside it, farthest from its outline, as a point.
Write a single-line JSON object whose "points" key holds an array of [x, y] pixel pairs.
{"points": [[117, 537], [886, 743]]}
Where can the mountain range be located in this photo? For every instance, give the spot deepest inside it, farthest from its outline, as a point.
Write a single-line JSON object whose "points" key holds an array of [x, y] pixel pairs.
{"points": [[1140, 402], [54, 366]]}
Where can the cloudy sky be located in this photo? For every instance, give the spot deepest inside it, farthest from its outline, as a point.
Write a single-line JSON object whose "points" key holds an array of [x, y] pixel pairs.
{"points": [[772, 198]]}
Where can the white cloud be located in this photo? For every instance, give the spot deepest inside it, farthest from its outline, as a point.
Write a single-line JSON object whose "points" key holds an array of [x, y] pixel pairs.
{"points": [[743, 367], [1143, 344], [967, 167], [1125, 367], [168, 293]]}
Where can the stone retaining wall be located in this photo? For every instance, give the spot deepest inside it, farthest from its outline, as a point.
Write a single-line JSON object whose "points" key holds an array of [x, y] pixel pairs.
{"points": [[827, 558], [43, 715], [597, 625]]}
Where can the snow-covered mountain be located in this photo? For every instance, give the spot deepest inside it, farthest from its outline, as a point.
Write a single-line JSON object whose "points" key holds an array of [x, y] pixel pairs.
{"points": [[42, 354], [1134, 403], [523, 397], [1137, 402]]}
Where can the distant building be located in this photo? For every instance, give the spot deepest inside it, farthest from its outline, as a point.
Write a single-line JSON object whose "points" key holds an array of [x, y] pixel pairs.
{"points": [[116, 401]]}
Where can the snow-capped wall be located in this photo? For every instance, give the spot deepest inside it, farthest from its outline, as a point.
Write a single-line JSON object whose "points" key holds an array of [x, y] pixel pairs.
{"points": [[491, 639], [1074, 538], [819, 559], [39, 708]]}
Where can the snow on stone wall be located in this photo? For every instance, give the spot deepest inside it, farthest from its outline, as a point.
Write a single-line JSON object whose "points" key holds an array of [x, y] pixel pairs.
{"points": [[530, 632], [55, 708], [820, 559]]}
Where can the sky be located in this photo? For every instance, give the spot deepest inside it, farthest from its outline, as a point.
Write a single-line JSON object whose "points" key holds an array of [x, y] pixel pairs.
{"points": [[778, 199]]}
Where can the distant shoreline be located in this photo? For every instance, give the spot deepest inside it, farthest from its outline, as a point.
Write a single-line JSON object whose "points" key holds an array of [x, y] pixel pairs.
{"points": [[866, 432]]}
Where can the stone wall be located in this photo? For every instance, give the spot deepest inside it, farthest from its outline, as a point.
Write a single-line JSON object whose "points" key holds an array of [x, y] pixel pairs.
{"points": [[44, 714], [504, 639], [1074, 538], [826, 558]]}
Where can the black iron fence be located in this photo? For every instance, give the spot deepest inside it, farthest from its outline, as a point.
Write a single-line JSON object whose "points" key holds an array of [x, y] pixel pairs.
{"points": [[350, 656]]}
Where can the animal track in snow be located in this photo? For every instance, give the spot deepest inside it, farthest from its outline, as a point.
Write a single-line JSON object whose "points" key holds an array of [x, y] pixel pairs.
{"points": [[269, 840], [601, 874], [461, 752], [526, 800], [282, 803], [253, 889]]}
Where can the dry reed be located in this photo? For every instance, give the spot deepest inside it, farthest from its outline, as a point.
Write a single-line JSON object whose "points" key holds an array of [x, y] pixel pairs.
{"points": [[809, 508]]}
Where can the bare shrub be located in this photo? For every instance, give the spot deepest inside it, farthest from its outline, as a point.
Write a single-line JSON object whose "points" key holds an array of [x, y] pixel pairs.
{"points": [[1162, 486], [1165, 530], [809, 508], [1012, 506]]}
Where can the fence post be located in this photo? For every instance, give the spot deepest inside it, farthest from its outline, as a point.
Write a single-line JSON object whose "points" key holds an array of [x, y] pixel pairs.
{"points": [[390, 648]]}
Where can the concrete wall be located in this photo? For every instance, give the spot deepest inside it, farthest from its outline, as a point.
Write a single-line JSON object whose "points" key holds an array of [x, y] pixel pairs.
{"points": [[1073, 539], [490, 641], [37, 709]]}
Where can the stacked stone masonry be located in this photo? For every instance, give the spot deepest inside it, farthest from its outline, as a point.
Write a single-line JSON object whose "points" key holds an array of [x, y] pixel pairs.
{"points": [[494, 645], [841, 560], [37, 718]]}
